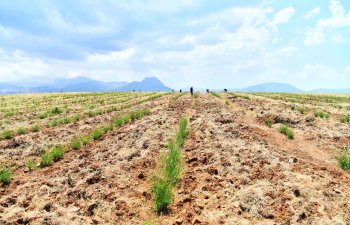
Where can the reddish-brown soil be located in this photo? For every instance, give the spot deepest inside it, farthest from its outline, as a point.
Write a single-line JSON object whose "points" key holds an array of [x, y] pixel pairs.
{"points": [[236, 170]]}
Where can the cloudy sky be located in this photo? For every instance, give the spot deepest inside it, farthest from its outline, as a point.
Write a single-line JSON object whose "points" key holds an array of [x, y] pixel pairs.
{"points": [[227, 43]]}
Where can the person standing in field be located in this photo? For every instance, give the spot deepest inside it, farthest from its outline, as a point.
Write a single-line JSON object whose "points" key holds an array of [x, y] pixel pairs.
{"points": [[191, 90]]}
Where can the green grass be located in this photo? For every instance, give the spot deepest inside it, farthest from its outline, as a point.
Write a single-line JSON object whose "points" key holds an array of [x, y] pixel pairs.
{"points": [[321, 114], [216, 94], [162, 194], [35, 128], [345, 119], [268, 122], [5, 176], [182, 133], [227, 102], [344, 161], [96, 134], [56, 111], [107, 128], [76, 144], [119, 122], [85, 140], [286, 131], [8, 134], [43, 115], [57, 153], [46, 160], [301, 110], [21, 131], [173, 163], [31, 165]]}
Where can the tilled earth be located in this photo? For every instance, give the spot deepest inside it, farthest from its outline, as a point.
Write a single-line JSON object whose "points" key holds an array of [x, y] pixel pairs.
{"points": [[236, 171]]}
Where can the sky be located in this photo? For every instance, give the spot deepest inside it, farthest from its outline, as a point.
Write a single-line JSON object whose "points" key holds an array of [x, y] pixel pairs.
{"points": [[204, 43]]}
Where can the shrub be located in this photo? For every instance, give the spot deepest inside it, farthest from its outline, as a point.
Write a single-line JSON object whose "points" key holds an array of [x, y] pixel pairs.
{"points": [[76, 144], [286, 131], [344, 161], [227, 102], [21, 131], [268, 122], [35, 128], [5, 176], [96, 134], [126, 118], [8, 134], [136, 115], [162, 194], [66, 120]]}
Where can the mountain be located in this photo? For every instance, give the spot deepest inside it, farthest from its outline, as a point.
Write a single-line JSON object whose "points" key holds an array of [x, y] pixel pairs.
{"points": [[272, 87], [147, 84], [78, 84]]}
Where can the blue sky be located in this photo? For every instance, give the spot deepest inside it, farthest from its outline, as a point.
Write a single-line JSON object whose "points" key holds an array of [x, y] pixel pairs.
{"points": [[214, 44]]}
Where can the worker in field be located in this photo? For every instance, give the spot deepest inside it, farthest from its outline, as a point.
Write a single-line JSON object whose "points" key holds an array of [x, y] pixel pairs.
{"points": [[191, 90], [207, 90], [225, 90], [180, 91]]}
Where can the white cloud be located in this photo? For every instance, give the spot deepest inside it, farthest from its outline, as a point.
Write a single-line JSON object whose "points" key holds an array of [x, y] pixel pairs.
{"points": [[313, 12], [314, 37], [283, 16], [334, 25]]}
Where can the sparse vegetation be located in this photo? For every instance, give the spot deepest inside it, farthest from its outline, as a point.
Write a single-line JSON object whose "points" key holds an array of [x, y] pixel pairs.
{"points": [[268, 122], [21, 131], [286, 131], [96, 134], [321, 114], [345, 119], [76, 144], [301, 110], [54, 154], [35, 128], [8, 134], [216, 94], [167, 177], [5, 176], [32, 166], [344, 160], [196, 94]]}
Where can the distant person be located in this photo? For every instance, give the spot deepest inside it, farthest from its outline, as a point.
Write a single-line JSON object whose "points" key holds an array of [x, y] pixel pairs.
{"points": [[180, 91], [191, 90], [207, 90], [225, 90], [172, 91]]}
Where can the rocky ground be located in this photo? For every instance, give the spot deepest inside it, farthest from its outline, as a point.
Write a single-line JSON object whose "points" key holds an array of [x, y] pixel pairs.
{"points": [[236, 170]]}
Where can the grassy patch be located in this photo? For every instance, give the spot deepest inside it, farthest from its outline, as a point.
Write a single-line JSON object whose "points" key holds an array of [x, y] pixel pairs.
{"points": [[54, 154], [268, 122], [344, 161], [56, 111], [35, 128], [162, 194], [76, 144], [345, 119], [5, 176], [286, 131], [96, 134], [21, 131], [173, 163], [321, 114], [8, 134], [216, 94], [196, 94], [31, 165], [301, 110]]}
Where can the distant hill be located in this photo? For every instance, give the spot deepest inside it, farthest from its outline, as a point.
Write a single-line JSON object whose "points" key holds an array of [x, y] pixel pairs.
{"points": [[78, 84], [147, 84], [272, 87]]}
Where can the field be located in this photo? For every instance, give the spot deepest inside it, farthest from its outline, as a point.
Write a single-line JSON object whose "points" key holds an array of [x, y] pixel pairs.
{"points": [[169, 158]]}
